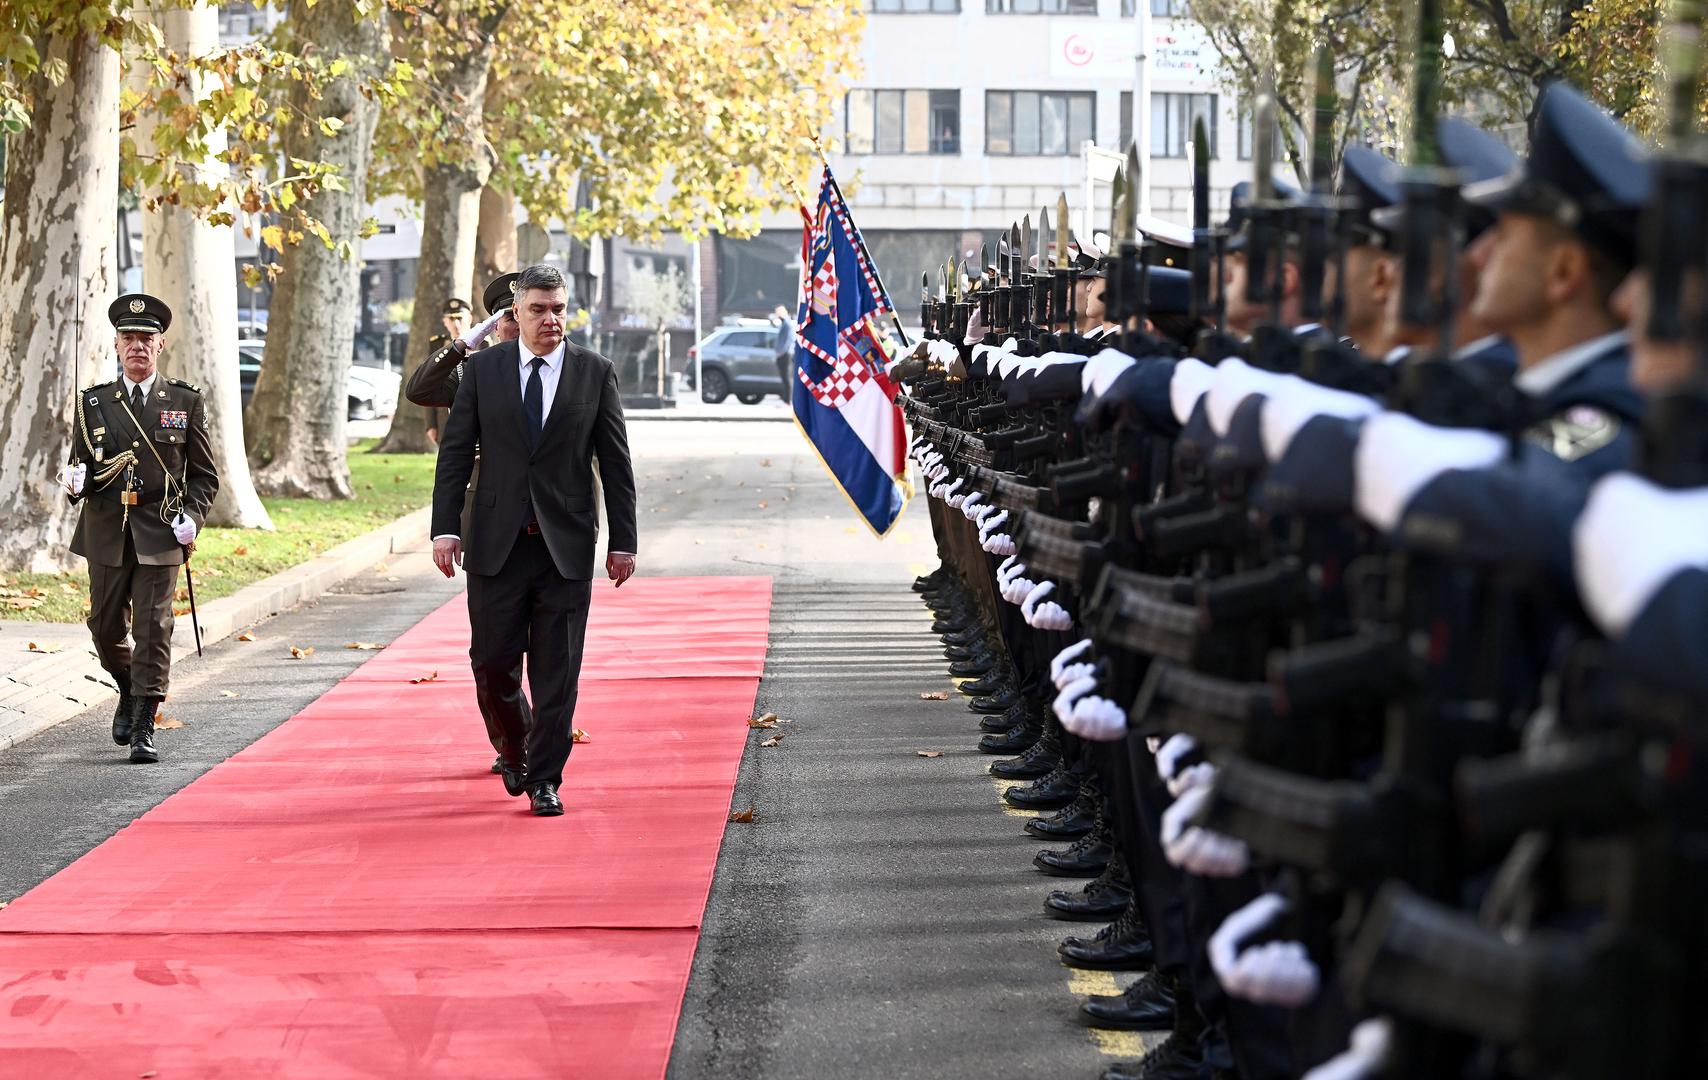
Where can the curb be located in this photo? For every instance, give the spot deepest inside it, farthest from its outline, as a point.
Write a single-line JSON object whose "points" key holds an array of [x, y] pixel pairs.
{"points": [[55, 688], [681, 418]]}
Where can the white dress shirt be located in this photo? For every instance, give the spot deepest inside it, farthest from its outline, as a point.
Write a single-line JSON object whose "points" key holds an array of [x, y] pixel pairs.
{"points": [[146, 386], [1542, 377]]}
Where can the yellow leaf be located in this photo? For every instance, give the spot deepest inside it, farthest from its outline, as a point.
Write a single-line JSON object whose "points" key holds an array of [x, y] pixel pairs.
{"points": [[166, 723], [49, 648], [364, 646], [773, 740], [769, 720], [929, 753], [434, 677], [228, 693], [576, 735], [246, 636], [301, 654], [240, 551], [743, 816], [935, 695]]}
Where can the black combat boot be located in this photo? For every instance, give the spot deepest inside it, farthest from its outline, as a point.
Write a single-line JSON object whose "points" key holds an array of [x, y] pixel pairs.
{"points": [[1123, 945], [994, 682], [1085, 857], [1103, 898], [1054, 789], [1071, 821], [1178, 1057], [1043, 756], [999, 702], [1015, 739], [1147, 1005], [142, 749], [121, 714]]}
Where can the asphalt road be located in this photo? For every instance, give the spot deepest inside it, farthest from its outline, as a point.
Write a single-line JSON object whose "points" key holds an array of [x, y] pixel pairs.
{"points": [[879, 918]]}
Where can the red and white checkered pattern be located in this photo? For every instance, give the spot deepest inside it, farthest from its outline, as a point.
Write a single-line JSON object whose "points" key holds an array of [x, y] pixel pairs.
{"points": [[848, 374]]}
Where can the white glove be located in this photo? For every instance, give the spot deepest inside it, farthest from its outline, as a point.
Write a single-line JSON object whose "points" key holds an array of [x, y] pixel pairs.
{"points": [[1073, 673], [943, 352], [1071, 693], [184, 530], [1017, 588], [1044, 614], [1000, 544], [949, 495], [1067, 656], [1364, 1058], [1098, 719], [75, 477], [969, 505], [1198, 850], [1168, 755], [1275, 973], [1193, 776], [474, 337]]}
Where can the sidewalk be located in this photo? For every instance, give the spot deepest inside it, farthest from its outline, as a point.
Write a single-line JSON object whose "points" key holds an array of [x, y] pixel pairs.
{"points": [[60, 678], [690, 407]]}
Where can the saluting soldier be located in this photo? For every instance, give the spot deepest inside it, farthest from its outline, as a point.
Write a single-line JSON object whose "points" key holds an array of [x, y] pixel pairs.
{"points": [[455, 319], [143, 470]]}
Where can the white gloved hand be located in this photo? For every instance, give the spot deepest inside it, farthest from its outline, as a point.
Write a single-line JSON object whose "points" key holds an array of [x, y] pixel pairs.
{"points": [[943, 352], [1153, 743], [1274, 973], [1000, 544], [1169, 754], [184, 530], [1071, 693], [949, 495], [1029, 603], [1195, 849], [474, 337], [1098, 719], [75, 477], [1193, 776], [1017, 588], [1051, 616], [1364, 1058], [981, 515], [991, 523], [1067, 656], [1073, 673], [970, 504]]}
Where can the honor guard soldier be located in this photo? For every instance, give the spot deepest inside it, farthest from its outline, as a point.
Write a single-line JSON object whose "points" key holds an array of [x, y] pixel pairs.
{"points": [[455, 318], [143, 470], [434, 383]]}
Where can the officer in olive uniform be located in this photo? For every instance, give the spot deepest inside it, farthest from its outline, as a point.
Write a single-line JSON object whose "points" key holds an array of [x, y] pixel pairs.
{"points": [[434, 383], [143, 470], [455, 318]]}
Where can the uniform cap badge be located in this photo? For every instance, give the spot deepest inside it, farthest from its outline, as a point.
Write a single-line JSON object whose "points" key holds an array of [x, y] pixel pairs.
{"points": [[136, 307]]}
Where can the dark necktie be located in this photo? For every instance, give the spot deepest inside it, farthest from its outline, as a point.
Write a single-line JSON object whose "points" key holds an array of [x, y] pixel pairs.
{"points": [[531, 399], [136, 400]]}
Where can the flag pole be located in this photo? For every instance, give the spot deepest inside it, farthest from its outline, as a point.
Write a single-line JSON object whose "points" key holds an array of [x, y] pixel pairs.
{"points": [[871, 263]]}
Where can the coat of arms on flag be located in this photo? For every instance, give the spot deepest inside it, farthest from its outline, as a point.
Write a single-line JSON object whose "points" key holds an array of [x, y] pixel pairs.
{"points": [[843, 401]]}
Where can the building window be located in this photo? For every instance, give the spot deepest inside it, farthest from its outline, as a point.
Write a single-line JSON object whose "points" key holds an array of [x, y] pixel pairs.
{"points": [[1030, 123], [904, 122], [1126, 120], [1170, 9], [914, 7], [1247, 142], [1040, 7], [1172, 116]]}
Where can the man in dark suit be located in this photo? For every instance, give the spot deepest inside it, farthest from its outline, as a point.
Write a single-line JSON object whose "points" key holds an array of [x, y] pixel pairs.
{"points": [[540, 410]]}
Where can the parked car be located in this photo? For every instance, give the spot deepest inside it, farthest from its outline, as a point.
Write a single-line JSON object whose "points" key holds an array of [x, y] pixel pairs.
{"points": [[740, 358], [371, 391]]}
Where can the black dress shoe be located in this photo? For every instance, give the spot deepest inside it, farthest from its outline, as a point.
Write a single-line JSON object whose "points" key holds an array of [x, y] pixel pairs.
{"points": [[121, 714], [512, 776], [498, 763], [142, 750], [544, 802], [1071, 821], [944, 626], [999, 702], [964, 637], [957, 652], [1102, 899], [1037, 761], [1086, 857], [1174, 1059], [1015, 740], [993, 683], [1055, 788], [1147, 1005], [1010, 719], [1123, 945], [928, 581]]}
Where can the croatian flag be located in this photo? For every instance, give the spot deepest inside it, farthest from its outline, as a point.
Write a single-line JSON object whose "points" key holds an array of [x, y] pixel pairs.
{"points": [[844, 403]]}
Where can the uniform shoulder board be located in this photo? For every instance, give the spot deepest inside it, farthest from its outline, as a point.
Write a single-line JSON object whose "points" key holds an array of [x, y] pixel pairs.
{"points": [[90, 389], [1579, 431], [185, 385]]}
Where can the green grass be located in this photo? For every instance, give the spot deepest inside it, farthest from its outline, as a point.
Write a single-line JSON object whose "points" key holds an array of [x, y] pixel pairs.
{"points": [[387, 487]]}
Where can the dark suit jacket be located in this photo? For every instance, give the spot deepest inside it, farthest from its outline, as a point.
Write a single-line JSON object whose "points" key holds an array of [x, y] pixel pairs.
{"points": [[175, 423], [556, 478]]}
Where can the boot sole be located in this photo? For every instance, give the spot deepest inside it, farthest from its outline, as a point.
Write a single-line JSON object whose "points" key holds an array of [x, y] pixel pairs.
{"points": [[1083, 916], [1123, 965], [144, 759], [1070, 872], [1048, 832], [1158, 1024]]}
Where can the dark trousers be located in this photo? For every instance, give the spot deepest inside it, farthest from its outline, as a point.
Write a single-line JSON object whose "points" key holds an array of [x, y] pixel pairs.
{"points": [[133, 601], [527, 608]]}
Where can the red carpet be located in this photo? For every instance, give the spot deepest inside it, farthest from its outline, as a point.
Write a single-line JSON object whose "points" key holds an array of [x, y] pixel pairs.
{"points": [[341, 900]]}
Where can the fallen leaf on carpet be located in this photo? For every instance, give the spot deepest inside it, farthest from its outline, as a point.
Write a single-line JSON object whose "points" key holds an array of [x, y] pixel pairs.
{"points": [[240, 551], [773, 740], [935, 695], [364, 646], [51, 647], [426, 678], [147, 1075], [228, 693], [743, 816], [929, 753], [301, 654], [768, 720], [166, 723], [246, 636], [578, 735]]}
